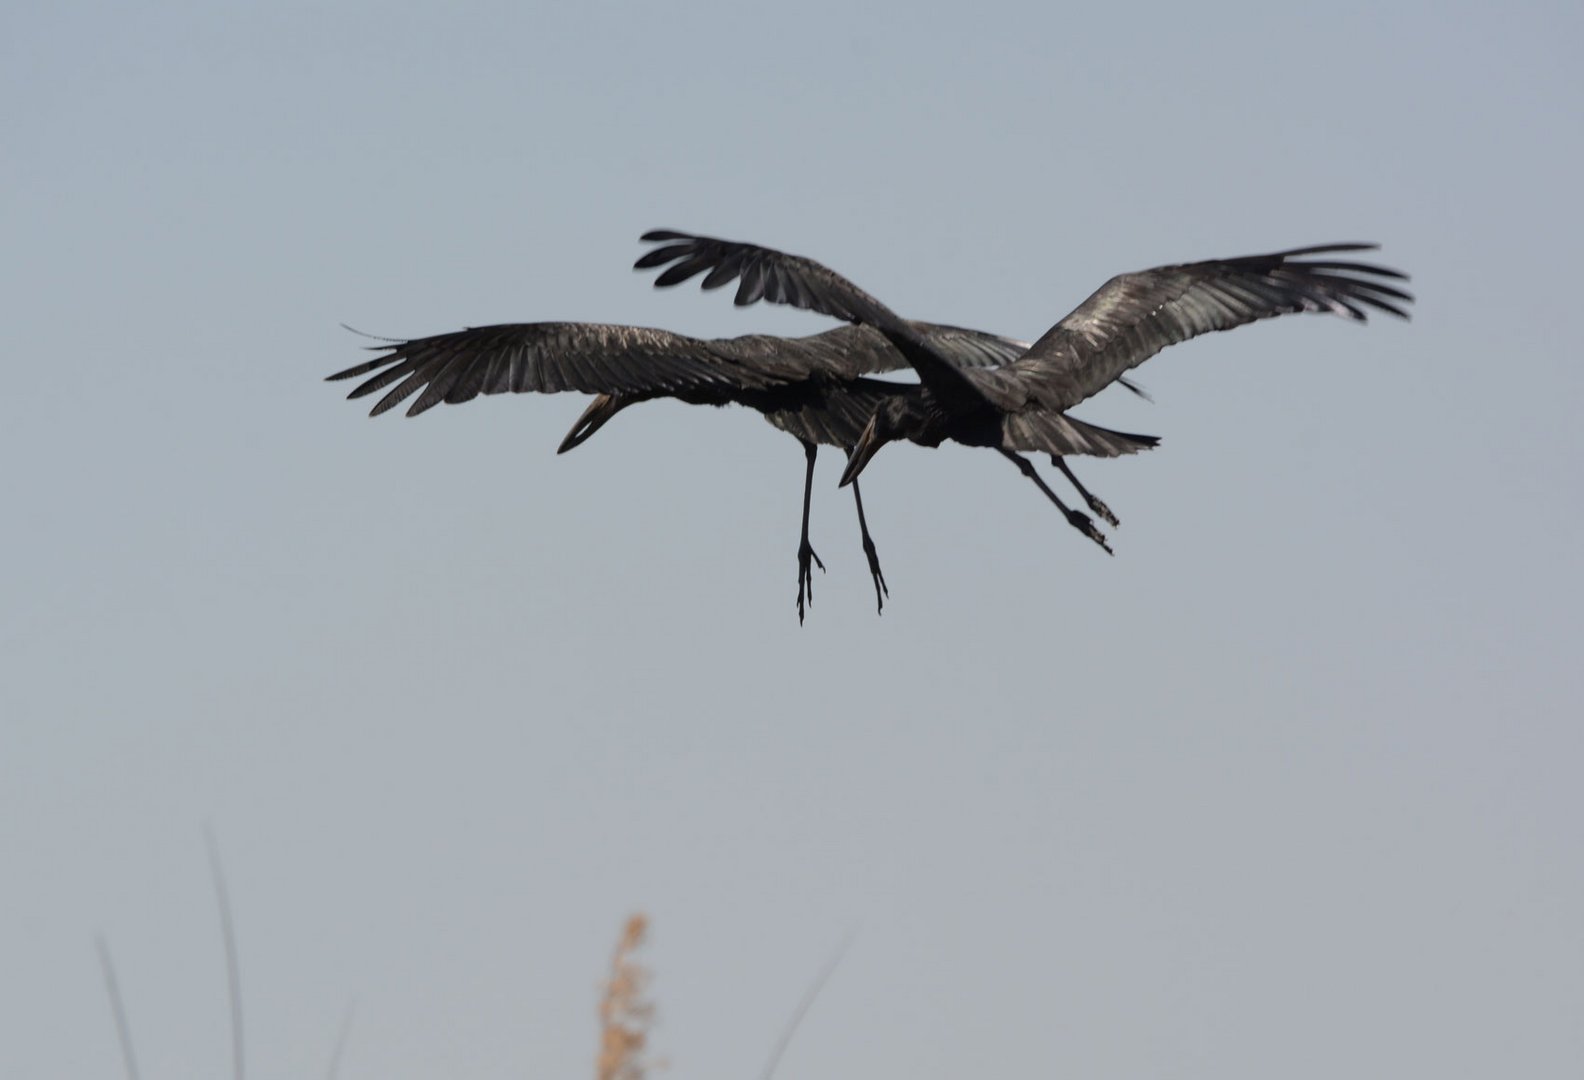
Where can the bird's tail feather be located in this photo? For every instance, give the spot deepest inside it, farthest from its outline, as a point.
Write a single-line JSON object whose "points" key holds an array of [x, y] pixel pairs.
{"points": [[1051, 432]]}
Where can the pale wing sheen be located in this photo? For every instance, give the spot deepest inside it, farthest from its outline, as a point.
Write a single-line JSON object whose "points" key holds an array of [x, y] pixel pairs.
{"points": [[1134, 316], [546, 357]]}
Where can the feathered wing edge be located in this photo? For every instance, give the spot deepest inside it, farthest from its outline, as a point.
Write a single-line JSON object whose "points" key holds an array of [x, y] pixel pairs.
{"points": [[1216, 294], [1133, 316], [767, 274], [546, 358], [762, 274], [630, 360]]}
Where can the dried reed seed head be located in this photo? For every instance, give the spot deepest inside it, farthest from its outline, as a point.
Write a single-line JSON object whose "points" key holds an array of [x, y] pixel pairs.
{"points": [[625, 1014]]}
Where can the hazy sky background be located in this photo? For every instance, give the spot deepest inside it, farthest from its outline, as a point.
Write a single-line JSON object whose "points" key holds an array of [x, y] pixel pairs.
{"points": [[1288, 788]]}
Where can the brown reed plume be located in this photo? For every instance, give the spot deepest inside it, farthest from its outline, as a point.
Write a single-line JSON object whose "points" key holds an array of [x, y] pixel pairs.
{"points": [[625, 1011]]}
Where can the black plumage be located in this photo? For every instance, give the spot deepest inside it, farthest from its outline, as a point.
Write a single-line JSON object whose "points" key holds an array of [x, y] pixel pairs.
{"points": [[1021, 405], [811, 387]]}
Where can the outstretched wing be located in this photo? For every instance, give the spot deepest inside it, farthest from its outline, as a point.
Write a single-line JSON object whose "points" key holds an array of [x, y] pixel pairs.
{"points": [[763, 274], [977, 349], [849, 352], [547, 357], [767, 274], [1134, 316]]}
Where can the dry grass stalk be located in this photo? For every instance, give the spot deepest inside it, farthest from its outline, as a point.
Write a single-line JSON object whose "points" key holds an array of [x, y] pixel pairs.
{"points": [[625, 1013]]}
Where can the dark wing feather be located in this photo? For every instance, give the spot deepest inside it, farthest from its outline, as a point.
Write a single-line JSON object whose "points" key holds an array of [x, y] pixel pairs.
{"points": [[1134, 316], [592, 358], [824, 398], [851, 351], [971, 348], [767, 274]]}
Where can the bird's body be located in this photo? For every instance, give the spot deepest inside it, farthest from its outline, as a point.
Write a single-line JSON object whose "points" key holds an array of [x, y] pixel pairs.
{"points": [[1022, 405], [814, 387]]}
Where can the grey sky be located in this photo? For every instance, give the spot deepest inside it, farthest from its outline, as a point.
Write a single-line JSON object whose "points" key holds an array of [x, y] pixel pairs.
{"points": [[1287, 788]]}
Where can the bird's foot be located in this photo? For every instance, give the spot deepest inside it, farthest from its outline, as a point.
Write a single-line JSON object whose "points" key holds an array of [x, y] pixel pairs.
{"points": [[1101, 510], [1085, 524], [881, 591], [806, 556]]}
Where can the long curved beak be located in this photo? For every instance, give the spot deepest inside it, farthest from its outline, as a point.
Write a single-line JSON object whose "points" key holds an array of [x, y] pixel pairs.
{"points": [[868, 446], [600, 410]]}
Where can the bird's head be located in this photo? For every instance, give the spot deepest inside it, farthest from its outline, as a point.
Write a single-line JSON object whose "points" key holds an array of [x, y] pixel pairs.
{"points": [[895, 418]]}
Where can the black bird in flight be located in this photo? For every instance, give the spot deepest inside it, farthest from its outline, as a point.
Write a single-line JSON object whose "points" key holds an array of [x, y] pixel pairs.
{"points": [[1021, 405], [811, 387]]}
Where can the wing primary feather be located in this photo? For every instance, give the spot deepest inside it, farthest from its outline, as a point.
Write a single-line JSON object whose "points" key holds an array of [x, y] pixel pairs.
{"points": [[401, 392], [687, 268], [752, 286], [383, 379], [726, 271], [661, 255]]}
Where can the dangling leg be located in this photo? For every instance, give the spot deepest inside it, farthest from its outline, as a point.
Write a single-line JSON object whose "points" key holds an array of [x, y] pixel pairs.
{"points": [[805, 552], [1101, 510], [881, 592], [1077, 519]]}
